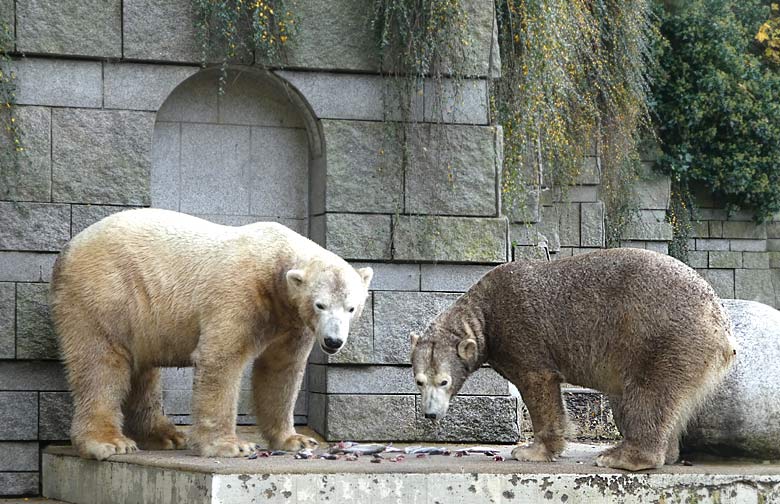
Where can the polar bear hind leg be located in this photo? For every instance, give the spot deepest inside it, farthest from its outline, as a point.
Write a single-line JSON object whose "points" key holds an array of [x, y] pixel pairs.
{"points": [[144, 418]]}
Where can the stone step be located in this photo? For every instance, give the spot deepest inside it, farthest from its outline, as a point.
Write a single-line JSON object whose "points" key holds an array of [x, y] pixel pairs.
{"points": [[176, 477]]}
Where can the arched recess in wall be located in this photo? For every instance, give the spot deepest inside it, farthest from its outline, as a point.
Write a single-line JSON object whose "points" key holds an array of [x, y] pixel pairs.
{"points": [[240, 157], [252, 154]]}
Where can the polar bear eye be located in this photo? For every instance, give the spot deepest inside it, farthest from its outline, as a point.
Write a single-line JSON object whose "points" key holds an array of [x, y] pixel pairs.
{"points": [[352, 310], [420, 383], [320, 306], [444, 383]]}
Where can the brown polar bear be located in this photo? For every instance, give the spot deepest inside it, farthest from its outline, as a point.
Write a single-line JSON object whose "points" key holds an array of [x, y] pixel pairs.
{"points": [[148, 288], [640, 326]]}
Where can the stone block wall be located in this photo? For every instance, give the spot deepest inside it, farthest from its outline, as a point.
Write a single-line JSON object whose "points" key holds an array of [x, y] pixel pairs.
{"points": [[93, 78]]}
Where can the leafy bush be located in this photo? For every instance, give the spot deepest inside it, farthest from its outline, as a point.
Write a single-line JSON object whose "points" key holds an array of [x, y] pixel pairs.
{"points": [[717, 101]]}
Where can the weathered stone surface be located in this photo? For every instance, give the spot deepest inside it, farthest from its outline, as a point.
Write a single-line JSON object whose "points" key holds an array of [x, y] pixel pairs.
{"points": [[452, 171], [18, 457], [774, 259], [360, 343], [8, 21], [464, 101], [84, 216], [75, 28], [35, 338], [743, 415], [773, 229], [698, 259], [257, 99], [364, 168], [591, 415], [660, 247], [194, 100], [19, 483], [26, 375], [160, 30], [543, 233], [358, 236], [651, 225], [393, 277], [393, 380], [450, 277], [450, 239], [59, 83], [523, 206], [700, 229], [758, 245], [34, 226], [712, 244], [574, 194], [481, 55], [369, 417], [716, 229], [478, 419], [7, 321], [397, 315], [529, 253], [722, 280], [30, 178], [592, 225], [352, 96], [567, 216], [754, 285], [102, 156], [653, 190], [18, 416], [590, 172], [744, 230], [141, 87], [725, 259], [337, 36], [56, 413]]}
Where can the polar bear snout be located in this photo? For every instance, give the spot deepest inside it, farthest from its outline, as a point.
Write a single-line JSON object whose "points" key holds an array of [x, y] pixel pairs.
{"points": [[332, 345], [332, 333]]}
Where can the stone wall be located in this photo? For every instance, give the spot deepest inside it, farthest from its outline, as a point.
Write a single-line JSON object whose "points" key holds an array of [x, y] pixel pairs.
{"points": [[103, 89]]}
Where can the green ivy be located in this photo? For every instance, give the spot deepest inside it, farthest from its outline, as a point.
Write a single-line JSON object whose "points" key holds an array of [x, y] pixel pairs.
{"points": [[717, 103]]}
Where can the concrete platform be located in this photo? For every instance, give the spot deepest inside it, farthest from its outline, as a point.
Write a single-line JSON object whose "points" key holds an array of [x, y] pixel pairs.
{"points": [[181, 477]]}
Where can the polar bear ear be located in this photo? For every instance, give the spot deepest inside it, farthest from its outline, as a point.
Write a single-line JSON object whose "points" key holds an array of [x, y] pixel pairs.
{"points": [[467, 350], [414, 338], [295, 278], [366, 274]]}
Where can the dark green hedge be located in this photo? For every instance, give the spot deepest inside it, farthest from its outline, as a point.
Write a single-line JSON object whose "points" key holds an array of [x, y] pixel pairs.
{"points": [[717, 102]]}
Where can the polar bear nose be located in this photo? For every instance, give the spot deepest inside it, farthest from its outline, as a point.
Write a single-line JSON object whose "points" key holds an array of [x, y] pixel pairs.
{"points": [[333, 343], [431, 416]]}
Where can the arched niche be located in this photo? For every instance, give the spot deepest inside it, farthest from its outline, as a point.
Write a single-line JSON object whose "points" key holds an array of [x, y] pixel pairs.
{"points": [[238, 157]]}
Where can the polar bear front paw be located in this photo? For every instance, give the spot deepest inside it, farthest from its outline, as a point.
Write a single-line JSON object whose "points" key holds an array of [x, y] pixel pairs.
{"points": [[536, 452], [101, 450], [231, 447], [298, 442]]}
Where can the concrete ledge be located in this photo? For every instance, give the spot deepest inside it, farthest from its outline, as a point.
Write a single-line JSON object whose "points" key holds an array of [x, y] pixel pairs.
{"points": [[169, 477]]}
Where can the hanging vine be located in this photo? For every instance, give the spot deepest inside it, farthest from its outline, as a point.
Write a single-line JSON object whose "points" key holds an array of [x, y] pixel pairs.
{"points": [[228, 29], [422, 47], [574, 73]]}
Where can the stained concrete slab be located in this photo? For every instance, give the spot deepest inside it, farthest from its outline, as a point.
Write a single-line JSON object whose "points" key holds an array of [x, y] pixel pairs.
{"points": [[168, 477]]}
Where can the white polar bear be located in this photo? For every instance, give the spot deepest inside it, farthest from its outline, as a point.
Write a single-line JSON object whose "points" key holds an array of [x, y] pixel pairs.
{"points": [[148, 288]]}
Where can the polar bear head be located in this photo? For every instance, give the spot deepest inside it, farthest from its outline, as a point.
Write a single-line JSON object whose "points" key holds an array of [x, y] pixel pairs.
{"points": [[329, 297], [444, 357]]}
